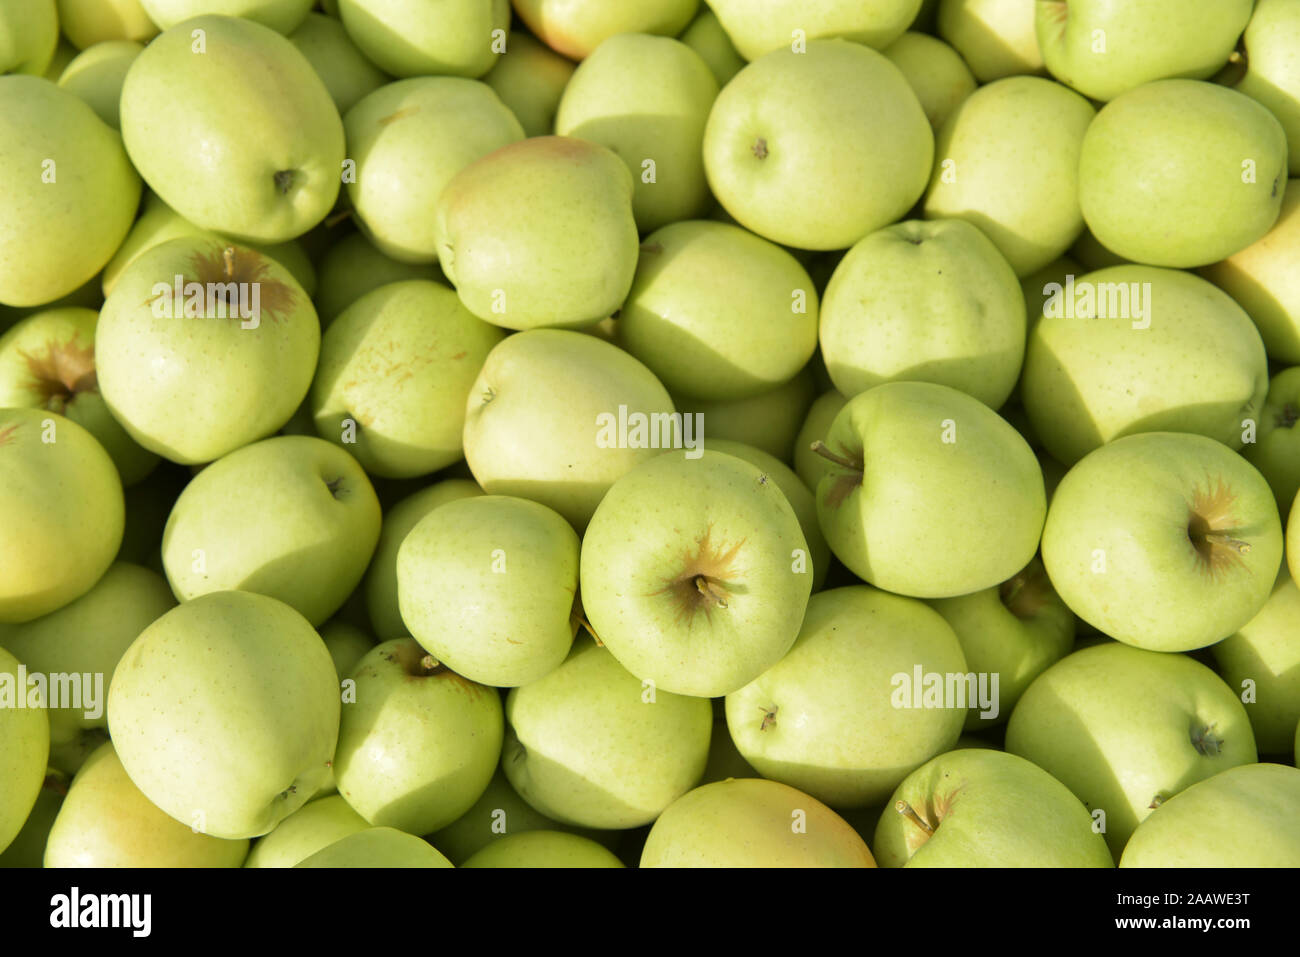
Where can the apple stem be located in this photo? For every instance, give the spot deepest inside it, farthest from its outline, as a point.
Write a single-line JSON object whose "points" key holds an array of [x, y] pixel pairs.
{"points": [[1220, 538], [228, 256], [582, 620], [825, 452], [430, 665], [905, 809], [710, 591]]}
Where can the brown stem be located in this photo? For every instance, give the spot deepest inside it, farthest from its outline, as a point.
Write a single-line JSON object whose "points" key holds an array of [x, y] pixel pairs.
{"points": [[905, 809], [825, 452]]}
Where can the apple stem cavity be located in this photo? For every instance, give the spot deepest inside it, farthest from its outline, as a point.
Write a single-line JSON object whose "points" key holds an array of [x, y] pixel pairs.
{"points": [[1219, 538], [1206, 741], [905, 809], [822, 449]]}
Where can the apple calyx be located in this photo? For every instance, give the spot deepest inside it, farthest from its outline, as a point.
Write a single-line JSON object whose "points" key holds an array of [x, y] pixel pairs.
{"points": [[847, 482], [7, 435], [336, 487], [759, 149], [62, 372], [769, 717], [701, 585], [285, 180], [1209, 529], [1205, 741], [1287, 416]]}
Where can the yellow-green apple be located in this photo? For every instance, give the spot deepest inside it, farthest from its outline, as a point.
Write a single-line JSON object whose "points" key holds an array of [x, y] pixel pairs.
{"points": [[413, 38], [576, 27], [718, 312], [768, 421], [1163, 540], [377, 847], [758, 27], [1039, 289], [1293, 541], [70, 191], [225, 713], [706, 37], [539, 233], [544, 849], [795, 138], [408, 140], [590, 744], [27, 849], [29, 32], [282, 16], [96, 75], [352, 267], [1207, 163], [807, 463], [345, 71], [1125, 729], [935, 72], [530, 79], [64, 53], [833, 717], [313, 827], [292, 517], [905, 443], [347, 645], [1272, 68], [1006, 160], [1093, 255], [24, 745], [695, 573], [61, 513], [231, 126], [752, 822], [996, 37], [1276, 449], [87, 22]]}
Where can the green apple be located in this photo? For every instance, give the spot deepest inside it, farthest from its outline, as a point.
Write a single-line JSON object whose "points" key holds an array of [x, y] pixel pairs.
{"points": [[751, 822], [719, 312], [97, 74], [828, 718], [1272, 68], [1039, 289], [1263, 656], [935, 72], [28, 848], [29, 32], [381, 579], [530, 79], [985, 808], [24, 746], [70, 191], [1262, 279], [544, 849], [225, 712], [589, 744], [996, 37], [539, 233], [1125, 728], [706, 37], [1114, 355], [1164, 541], [486, 584], [195, 375], [1276, 449], [538, 421], [87, 22], [796, 137], [106, 822], [1091, 254], [1103, 48], [757, 27], [400, 409], [1205, 162], [927, 301], [1242, 817], [1015, 630], [408, 140], [808, 464], [292, 517], [346, 73], [902, 444], [61, 513], [374, 847], [313, 827], [419, 744], [231, 126], [576, 27], [1006, 160], [410, 38], [647, 99], [85, 640], [695, 573], [352, 267], [282, 16], [768, 421], [347, 645], [1293, 543], [47, 361]]}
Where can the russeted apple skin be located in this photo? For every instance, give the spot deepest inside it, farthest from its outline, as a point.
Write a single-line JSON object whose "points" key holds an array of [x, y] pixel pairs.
{"points": [[543, 849], [410, 38], [377, 847], [935, 494], [986, 808], [1123, 728], [748, 822], [1146, 529], [1242, 817], [24, 750], [761, 26], [576, 27]]}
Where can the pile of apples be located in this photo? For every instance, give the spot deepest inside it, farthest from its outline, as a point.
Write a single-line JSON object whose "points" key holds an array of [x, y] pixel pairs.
{"points": [[661, 433]]}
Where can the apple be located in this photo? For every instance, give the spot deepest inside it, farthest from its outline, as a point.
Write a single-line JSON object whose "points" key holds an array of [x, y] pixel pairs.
{"points": [[530, 79], [1006, 160], [932, 494], [346, 73], [533, 423], [1039, 291], [984, 808], [148, 504], [282, 16], [1242, 817], [28, 848], [996, 37], [539, 233], [1207, 163], [816, 149], [543, 849], [1272, 72], [313, 827], [194, 376], [61, 513], [347, 645], [758, 27], [29, 32], [935, 72], [408, 140], [97, 74], [87, 22], [24, 749], [225, 713], [291, 517], [751, 822], [768, 421], [695, 573], [231, 126], [419, 744], [807, 463], [106, 822], [574, 28], [352, 267], [827, 717], [706, 37], [1293, 541], [413, 38], [927, 301], [374, 847], [719, 312], [1103, 49], [1276, 449], [647, 99], [1091, 254], [1164, 541], [1116, 354], [1124, 728], [71, 192]]}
